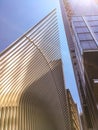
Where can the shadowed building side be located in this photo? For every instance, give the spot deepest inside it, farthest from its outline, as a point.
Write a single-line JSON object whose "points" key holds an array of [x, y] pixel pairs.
{"points": [[73, 115]]}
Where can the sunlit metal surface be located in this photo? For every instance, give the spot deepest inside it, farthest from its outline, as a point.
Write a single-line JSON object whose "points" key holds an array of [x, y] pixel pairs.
{"points": [[32, 90]]}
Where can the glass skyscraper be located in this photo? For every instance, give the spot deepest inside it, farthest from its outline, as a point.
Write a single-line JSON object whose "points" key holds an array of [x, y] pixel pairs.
{"points": [[82, 36], [86, 48]]}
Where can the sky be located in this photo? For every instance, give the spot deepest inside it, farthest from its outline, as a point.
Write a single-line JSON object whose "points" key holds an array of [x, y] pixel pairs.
{"points": [[18, 16]]}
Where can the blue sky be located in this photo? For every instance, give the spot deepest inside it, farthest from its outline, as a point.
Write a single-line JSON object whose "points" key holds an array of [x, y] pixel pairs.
{"points": [[18, 16]]}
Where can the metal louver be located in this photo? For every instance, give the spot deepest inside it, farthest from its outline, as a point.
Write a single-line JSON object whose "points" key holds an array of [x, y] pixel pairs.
{"points": [[32, 89]]}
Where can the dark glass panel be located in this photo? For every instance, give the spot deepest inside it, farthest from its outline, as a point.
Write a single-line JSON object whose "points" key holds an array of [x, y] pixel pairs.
{"points": [[95, 28], [79, 24], [86, 36], [82, 29], [93, 23], [88, 45]]}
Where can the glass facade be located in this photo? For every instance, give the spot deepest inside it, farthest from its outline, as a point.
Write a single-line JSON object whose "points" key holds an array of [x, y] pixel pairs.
{"points": [[86, 39], [93, 23], [82, 28], [83, 40]]}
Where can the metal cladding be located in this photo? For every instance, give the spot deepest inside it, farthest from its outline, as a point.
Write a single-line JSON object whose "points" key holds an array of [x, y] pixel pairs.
{"points": [[32, 88]]}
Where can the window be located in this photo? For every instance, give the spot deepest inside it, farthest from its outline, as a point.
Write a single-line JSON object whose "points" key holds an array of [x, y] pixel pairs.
{"points": [[82, 29], [93, 23], [86, 36], [95, 81], [79, 24], [90, 18], [95, 28], [88, 44], [96, 35]]}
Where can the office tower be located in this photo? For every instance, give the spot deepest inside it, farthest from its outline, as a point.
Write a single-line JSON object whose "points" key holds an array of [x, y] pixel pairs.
{"points": [[73, 115], [32, 93], [86, 48], [82, 36]]}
